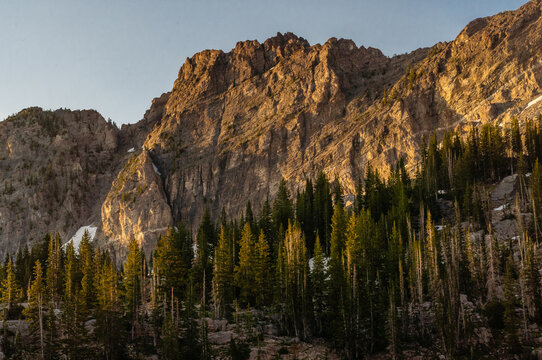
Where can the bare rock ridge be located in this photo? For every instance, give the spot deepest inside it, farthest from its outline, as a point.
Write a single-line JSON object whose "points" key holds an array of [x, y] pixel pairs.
{"points": [[235, 123]]}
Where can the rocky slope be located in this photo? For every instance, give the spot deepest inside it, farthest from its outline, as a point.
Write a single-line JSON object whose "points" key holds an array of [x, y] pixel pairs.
{"points": [[54, 169], [235, 123]]}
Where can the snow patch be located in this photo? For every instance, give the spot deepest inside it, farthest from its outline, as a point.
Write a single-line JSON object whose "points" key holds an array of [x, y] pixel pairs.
{"points": [[501, 208], [441, 192], [311, 264], [131, 150], [156, 169], [535, 101], [78, 237], [528, 174]]}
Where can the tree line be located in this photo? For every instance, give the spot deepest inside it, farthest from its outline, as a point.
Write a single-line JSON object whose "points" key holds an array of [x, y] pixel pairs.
{"points": [[412, 262]]}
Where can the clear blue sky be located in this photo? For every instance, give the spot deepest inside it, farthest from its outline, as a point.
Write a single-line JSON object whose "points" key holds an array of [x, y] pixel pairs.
{"points": [[115, 56]]}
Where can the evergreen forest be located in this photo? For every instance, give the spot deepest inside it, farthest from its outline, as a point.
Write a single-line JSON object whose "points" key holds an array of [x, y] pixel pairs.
{"points": [[410, 261]]}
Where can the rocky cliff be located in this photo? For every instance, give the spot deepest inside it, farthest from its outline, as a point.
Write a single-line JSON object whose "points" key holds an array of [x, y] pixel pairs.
{"points": [[55, 167], [235, 123]]}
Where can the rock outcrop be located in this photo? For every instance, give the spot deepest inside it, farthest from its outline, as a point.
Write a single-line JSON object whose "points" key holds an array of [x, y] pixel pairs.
{"points": [[136, 206], [55, 169]]}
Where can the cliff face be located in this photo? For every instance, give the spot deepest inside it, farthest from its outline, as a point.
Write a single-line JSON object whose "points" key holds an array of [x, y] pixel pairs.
{"points": [[135, 206], [54, 169], [236, 123], [490, 72]]}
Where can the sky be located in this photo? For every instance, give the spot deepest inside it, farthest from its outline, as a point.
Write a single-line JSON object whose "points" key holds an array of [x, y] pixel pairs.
{"points": [[116, 56]]}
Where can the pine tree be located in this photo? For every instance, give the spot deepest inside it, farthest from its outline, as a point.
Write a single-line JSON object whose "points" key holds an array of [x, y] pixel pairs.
{"points": [[35, 313], [536, 198], [515, 139], [74, 337], [11, 290], [305, 214], [295, 298], [86, 259], [392, 327], [510, 317], [262, 269], [169, 344], [323, 210], [337, 284], [172, 261], [52, 340], [282, 207], [74, 340], [223, 273], [531, 277], [70, 272], [319, 286], [249, 216], [266, 225], [108, 317], [245, 271], [205, 248], [23, 266], [432, 259], [358, 202], [338, 194], [54, 269], [132, 279]]}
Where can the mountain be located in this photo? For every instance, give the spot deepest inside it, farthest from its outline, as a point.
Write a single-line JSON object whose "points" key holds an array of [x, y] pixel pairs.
{"points": [[55, 167], [236, 123]]}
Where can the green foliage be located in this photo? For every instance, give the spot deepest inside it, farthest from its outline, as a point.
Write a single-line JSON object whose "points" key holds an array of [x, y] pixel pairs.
{"points": [[169, 342], [132, 281], [223, 271], [11, 291], [205, 241], [239, 350], [245, 272], [392, 271], [282, 207], [172, 262], [54, 269]]}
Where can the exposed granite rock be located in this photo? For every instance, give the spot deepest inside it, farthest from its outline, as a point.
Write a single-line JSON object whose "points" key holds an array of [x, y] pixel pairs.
{"points": [[136, 206]]}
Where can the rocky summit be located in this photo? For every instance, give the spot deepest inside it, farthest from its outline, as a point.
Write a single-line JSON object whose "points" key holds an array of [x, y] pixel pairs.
{"points": [[236, 123]]}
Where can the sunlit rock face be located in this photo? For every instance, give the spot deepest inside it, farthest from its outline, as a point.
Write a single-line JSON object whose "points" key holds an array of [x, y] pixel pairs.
{"points": [[236, 123], [136, 206]]}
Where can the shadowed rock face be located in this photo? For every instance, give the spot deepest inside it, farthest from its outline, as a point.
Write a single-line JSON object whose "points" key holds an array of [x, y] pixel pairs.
{"points": [[55, 169], [235, 123]]}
